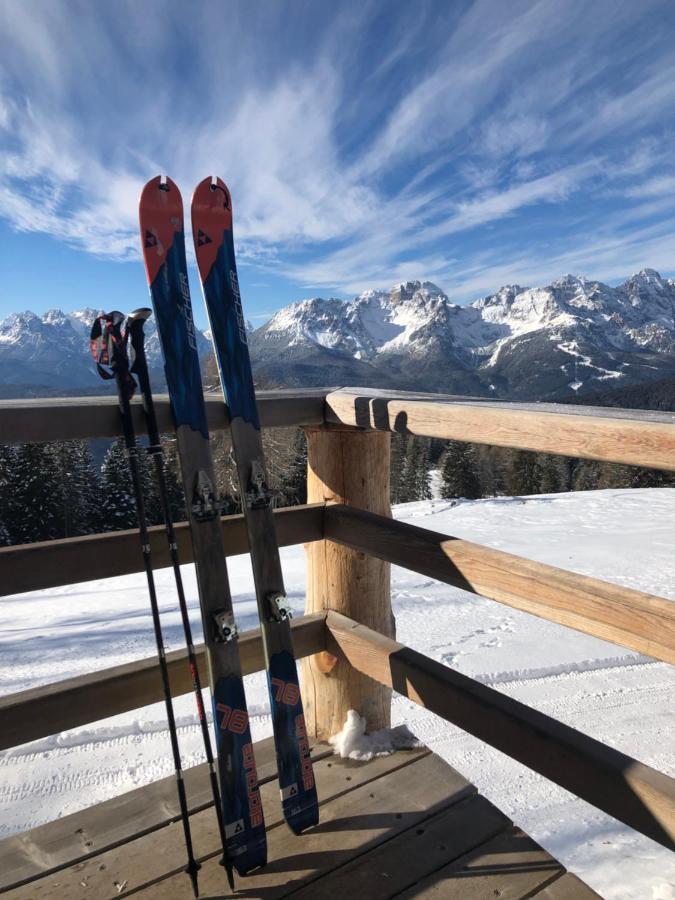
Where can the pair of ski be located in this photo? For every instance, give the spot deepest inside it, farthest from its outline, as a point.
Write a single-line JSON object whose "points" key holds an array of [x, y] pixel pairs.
{"points": [[162, 237]]}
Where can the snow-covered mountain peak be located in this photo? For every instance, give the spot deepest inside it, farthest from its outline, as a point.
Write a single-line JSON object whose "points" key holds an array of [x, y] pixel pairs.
{"points": [[646, 289], [52, 349], [409, 290], [374, 322], [534, 342], [54, 316]]}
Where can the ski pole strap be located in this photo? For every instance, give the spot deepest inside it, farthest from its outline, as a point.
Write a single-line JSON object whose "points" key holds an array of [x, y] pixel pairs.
{"points": [[108, 347]]}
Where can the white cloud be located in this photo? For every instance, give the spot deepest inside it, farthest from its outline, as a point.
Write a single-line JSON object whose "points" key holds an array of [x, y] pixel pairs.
{"points": [[653, 187]]}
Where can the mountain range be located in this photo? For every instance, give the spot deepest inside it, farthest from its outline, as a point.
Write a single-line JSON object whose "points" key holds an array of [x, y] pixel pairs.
{"points": [[555, 342], [50, 353]]}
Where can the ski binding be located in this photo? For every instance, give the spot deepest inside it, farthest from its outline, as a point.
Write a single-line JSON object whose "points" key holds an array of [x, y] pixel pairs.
{"points": [[226, 628], [258, 495], [280, 607], [206, 504]]}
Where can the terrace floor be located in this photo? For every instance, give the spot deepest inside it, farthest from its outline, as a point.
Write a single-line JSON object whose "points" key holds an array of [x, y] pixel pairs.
{"points": [[406, 825]]}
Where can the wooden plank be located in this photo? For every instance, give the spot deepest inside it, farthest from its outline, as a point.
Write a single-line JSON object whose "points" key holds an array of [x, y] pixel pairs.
{"points": [[624, 788], [351, 824], [412, 855], [52, 708], [45, 564], [67, 841], [633, 619], [510, 866], [70, 418], [376, 395], [634, 439], [155, 861], [569, 887]]}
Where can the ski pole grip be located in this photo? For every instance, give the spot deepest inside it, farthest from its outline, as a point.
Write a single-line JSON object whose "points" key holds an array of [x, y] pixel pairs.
{"points": [[135, 321]]}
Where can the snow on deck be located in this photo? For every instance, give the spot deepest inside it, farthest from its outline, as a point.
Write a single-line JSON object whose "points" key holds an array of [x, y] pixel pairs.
{"points": [[615, 695]]}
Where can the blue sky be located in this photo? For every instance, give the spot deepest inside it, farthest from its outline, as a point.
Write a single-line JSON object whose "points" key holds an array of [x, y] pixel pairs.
{"points": [[470, 143]]}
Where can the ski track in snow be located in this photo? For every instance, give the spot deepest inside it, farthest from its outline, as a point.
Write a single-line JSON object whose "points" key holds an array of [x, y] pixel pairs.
{"points": [[621, 698]]}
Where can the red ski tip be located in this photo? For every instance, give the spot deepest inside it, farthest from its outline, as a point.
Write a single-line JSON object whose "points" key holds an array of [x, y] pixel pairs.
{"points": [[161, 216], [211, 218]]}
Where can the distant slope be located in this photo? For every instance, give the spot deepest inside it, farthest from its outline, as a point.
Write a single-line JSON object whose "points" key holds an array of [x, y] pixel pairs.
{"points": [[658, 395]]}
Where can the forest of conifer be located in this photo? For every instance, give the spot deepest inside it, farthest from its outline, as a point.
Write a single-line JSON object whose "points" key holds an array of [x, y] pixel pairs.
{"points": [[55, 490]]}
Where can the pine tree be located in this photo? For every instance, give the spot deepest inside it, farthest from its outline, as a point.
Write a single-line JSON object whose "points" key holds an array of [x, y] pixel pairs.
{"points": [[460, 477], [412, 477], [614, 475], [36, 503], [174, 484], [292, 489], [7, 456], [651, 478], [551, 474], [76, 487], [586, 475], [117, 507], [523, 473], [423, 477]]}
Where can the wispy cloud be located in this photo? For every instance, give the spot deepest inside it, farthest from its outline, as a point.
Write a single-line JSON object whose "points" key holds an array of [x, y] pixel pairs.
{"points": [[361, 146]]}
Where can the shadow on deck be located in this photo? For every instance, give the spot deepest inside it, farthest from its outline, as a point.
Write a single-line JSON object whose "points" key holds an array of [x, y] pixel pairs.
{"points": [[406, 825]]}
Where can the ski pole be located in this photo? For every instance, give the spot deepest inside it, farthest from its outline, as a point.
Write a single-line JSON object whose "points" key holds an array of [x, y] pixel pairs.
{"points": [[109, 349], [134, 328]]}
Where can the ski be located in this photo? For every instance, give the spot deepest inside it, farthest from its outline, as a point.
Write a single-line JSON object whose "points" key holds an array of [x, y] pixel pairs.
{"points": [[162, 240], [214, 248]]}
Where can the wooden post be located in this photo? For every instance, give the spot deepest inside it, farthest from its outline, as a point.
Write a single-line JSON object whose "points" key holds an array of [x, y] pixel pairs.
{"points": [[346, 465]]}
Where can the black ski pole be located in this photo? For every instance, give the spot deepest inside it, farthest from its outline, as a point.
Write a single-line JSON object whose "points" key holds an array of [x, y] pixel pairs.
{"points": [[108, 346], [139, 367]]}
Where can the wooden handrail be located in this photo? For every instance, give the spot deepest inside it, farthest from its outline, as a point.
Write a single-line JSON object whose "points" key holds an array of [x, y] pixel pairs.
{"points": [[633, 793], [52, 708], [70, 418], [632, 437], [45, 564], [633, 619]]}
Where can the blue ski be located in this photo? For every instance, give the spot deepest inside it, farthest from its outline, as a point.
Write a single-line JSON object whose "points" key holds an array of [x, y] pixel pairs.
{"points": [[162, 239], [214, 247]]}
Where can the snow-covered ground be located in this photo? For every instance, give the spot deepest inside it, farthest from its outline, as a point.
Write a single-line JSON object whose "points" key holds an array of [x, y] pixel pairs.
{"points": [[618, 697]]}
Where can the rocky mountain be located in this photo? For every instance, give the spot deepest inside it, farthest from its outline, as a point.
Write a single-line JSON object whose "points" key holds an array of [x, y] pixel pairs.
{"points": [[553, 342], [50, 354], [569, 338]]}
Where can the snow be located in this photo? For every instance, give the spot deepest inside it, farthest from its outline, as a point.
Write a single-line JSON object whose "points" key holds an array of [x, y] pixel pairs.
{"points": [[352, 742], [617, 696]]}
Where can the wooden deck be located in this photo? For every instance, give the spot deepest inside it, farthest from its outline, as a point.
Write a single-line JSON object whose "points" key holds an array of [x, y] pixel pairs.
{"points": [[406, 825]]}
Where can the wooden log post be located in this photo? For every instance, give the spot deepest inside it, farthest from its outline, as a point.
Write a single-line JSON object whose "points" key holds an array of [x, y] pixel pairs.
{"points": [[346, 465]]}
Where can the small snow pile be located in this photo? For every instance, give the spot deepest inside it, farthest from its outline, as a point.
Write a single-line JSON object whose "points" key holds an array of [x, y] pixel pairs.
{"points": [[353, 742]]}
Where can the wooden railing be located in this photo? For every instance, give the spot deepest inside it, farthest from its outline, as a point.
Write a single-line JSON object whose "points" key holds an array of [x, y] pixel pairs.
{"points": [[346, 640]]}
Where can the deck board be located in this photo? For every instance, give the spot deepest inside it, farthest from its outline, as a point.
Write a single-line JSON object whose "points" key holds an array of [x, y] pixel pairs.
{"points": [[406, 825], [510, 866], [99, 828], [413, 854], [350, 825]]}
